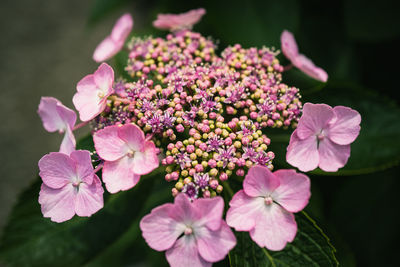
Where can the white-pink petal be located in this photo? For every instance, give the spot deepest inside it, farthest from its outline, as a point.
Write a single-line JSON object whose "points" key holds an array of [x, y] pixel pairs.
{"points": [[274, 228], [145, 161], [133, 136], [332, 156], [174, 22], [294, 190], [211, 210], [346, 125], [56, 169], [308, 67], [68, 143], [289, 45], [118, 175], [259, 181], [89, 198], [83, 162], [109, 145], [315, 118], [303, 154], [184, 253], [55, 116], [122, 28]]}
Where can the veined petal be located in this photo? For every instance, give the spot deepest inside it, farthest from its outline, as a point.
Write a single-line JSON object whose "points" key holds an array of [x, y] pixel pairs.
{"points": [[259, 181], [184, 253], [346, 127], [57, 204], [56, 169], [55, 116], [118, 175], [104, 79], [332, 156], [159, 230], [184, 210], [294, 191], [88, 99], [132, 135], [68, 143], [274, 228], [109, 145], [303, 154], [211, 210], [146, 161], [89, 198], [84, 167], [315, 118]]}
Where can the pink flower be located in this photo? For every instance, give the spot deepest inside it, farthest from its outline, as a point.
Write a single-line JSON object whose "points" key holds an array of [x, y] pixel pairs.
{"points": [[127, 155], [113, 43], [69, 187], [57, 117], [193, 234], [323, 137], [291, 51], [93, 90], [174, 22], [266, 204]]}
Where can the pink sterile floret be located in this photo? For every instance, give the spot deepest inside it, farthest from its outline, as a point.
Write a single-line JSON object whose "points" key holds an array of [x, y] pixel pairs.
{"points": [[113, 43], [92, 92], [57, 117], [266, 204], [192, 233], [70, 186], [174, 22], [323, 137], [127, 155], [291, 51]]}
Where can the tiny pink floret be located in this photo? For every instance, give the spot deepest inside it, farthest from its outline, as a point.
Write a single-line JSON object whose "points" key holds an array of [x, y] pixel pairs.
{"points": [[176, 22], [92, 92], [69, 187], [57, 117], [127, 155], [113, 43], [192, 233], [323, 137], [266, 205], [291, 51]]}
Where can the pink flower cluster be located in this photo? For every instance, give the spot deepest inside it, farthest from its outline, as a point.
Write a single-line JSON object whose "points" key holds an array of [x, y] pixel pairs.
{"points": [[207, 118]]}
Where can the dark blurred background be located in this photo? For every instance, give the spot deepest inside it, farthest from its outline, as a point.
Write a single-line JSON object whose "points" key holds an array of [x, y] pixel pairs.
{"points": [[46, 48]]}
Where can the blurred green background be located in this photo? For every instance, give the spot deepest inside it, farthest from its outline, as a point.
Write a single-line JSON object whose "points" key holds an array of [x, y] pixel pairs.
{"points": [[46, 47]]}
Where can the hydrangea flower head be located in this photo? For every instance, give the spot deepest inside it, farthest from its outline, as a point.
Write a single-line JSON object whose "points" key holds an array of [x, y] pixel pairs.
{"points": [[266, 204], [191, 233], [291, 51], [323, 137], [70, 186], [127, 155], [57, 117], [174, 22], [113, 43], [92, 92]]}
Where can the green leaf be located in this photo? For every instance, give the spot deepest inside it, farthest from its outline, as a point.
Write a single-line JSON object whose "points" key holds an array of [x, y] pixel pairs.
{"points": [[375, 149], [31, 240], [311, 247]]}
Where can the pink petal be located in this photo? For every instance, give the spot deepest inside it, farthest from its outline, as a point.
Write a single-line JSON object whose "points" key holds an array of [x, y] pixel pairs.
{"points": [[159, 230], [84, 167], [303, 154], [57, 204], [122, 28], [132, 135], [108, 144], [68, 143], [332, 156], [315, 118], [244, 210], [184, 210], [307, 66], [106, 49], [289, 45], [181, 21], [184, 253], [259, 181], [146, 161], [56, 169], [89, 198], [213, 246], [55, 116], [104, 79], [274, 228], [294, 191], [118, 175], [346, 127], [211, 210]]}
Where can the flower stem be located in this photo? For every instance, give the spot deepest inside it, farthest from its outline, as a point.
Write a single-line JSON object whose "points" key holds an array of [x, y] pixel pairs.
{"points": [[80, 125], [288, 67], [98, 167]]}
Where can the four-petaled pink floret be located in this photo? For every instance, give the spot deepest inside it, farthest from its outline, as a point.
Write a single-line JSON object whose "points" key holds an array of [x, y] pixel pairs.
{"points": [[113, 43], [291, 51], [69, 187], [92, 92], [57, 117], [266, 204], [191, 233], [323, 137], [175, 22], [127, 155]]}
